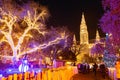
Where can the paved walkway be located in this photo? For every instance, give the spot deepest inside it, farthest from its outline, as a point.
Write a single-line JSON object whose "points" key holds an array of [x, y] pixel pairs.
{"points": [[89, 76]]}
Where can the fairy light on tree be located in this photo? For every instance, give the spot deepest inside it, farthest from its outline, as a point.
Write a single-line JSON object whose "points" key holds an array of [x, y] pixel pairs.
{"points": [[9, 20], [110, 23], [109, 57], [33, 20]]}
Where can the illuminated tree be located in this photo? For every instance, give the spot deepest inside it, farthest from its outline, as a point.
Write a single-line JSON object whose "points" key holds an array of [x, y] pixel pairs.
{"points": [[8, 22], [54, 51], [71, 52], [76, 49], [98, 48], [110, 23], [26, 27]]}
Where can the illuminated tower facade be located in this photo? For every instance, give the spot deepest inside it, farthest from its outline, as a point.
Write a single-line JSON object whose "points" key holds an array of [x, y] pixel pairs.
{"points": [[83, 31], [84, 45]]}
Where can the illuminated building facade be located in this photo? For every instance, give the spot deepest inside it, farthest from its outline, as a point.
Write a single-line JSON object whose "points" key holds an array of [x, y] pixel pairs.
{"points": [[84, 46]]}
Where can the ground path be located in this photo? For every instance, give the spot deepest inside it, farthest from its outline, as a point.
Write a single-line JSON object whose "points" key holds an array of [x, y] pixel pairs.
{"points": [[89, 76]]}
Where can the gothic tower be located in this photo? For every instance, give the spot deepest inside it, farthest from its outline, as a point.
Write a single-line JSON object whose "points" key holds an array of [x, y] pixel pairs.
{"points": [[83, 31], [84, 45]]}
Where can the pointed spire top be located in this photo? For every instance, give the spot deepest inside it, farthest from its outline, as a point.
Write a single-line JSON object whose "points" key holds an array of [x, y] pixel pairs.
{"points": [[83, 16], [83, 23], [74, 39], [83, 31], [97, 36]]}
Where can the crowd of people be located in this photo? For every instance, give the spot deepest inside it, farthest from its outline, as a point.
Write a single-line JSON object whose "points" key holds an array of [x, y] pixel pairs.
{"points": [[83, 68], [86, 68]]}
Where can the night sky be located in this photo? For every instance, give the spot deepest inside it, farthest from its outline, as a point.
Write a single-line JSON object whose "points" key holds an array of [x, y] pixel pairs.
{"points": [[68, 13]]}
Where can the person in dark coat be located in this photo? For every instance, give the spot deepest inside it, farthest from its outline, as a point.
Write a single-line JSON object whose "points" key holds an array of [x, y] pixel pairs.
{"points": [[95, 67], [88, 68], [103, 70], [78, 67], [81, 68]]}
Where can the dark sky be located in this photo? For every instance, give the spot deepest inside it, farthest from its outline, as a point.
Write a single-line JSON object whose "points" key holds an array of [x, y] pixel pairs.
{"points": [[68, 13]]}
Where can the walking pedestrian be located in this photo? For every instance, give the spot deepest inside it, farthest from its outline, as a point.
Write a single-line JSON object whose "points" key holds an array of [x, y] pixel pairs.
{"points": [[81, 68], [84, 68], [78, 67], [95, 66], [88, 67], [103, 70]]}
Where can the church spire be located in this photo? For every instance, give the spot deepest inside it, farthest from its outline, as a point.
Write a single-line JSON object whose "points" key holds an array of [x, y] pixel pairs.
{"points": [[83, 31], [97, 36], [74, 39]]}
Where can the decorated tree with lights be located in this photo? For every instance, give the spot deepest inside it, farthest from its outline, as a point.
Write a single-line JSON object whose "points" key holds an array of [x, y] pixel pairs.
{"points": [[110, 23], [23, 31], [9, 22], [109, 56], [98, 48], [54, 50]]}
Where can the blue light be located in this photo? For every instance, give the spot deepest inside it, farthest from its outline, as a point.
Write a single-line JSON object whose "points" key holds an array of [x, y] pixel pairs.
{"points": [[39, 71], [1, 75], [25, 61], [106, 34], [9, 70]]}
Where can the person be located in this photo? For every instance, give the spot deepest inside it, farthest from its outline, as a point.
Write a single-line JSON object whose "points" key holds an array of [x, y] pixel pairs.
{"points": [[103, 70], [88, 68], [78, 67], [95, 66], [84, 68], [117, 66], [81, 68]]}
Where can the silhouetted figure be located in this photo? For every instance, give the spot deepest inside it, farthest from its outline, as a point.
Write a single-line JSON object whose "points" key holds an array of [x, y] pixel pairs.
{"points": [[103, 70], [81, 68], [78, 67], [95, 66], [88, 68], [84, 68]]}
